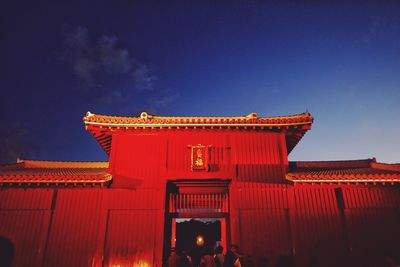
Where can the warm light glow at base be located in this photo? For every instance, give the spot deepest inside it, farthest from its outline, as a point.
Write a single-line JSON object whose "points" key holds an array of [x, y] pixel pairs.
{"points": [[141, 264]]}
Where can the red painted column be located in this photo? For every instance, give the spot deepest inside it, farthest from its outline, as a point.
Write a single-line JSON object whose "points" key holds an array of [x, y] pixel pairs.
{"points": [[173, 233], [223, 234]]}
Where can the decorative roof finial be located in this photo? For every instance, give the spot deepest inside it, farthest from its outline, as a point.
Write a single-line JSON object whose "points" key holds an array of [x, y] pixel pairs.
{"points": [[144, 115], [252, 115]]}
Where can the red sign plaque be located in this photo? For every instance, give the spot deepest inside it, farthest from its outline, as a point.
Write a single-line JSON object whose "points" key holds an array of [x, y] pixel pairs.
{"points": [[199, 157]]}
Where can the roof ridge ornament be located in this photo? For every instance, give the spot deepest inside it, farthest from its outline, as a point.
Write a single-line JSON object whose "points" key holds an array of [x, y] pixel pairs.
{"points": [[89, 114], [252, 115], [144, 115]]}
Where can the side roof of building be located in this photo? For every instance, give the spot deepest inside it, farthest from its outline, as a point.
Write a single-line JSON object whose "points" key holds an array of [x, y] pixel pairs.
{"points": [[364, 171]]}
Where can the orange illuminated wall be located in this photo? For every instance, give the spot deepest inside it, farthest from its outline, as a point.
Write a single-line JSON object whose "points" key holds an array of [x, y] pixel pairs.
{"points": [[150, 157]]}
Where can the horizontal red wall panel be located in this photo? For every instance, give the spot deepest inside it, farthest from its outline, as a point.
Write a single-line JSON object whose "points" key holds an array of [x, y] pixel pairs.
{"points": [[179, 153], [138, 160], [33, 198], [250, 195], [371, 197], [75, 230], [374, 232], [24, 220], [148, 157], [134, 238], [81, 224], [134, 199], [372, 219], [264, 234], [259, 220], [27, 230], [259, 156], [318, 234]]}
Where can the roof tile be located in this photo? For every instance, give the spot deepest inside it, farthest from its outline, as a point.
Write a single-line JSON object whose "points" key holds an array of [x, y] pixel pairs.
{"points": [[54, 172], [352, 171]]}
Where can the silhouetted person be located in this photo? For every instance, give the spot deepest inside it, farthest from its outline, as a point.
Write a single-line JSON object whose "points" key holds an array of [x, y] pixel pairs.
{"points": [[207, 260], [6, 252], [219, 257], [188, 257], [178, 259], [172, 258], [232, 257]]}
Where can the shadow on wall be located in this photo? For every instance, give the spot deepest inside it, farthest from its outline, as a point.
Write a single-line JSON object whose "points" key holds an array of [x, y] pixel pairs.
{"points": [[6, 252]]}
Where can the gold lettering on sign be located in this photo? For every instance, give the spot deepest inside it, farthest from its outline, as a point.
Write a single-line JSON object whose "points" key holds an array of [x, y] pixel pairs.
{"points": [[199, 157], [199, 160]]}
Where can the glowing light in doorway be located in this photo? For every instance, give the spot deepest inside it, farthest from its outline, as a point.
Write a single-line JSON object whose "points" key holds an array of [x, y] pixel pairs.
{"points": [[199, 240]]}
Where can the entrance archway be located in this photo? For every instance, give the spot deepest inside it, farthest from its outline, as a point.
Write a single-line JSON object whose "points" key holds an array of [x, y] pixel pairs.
{"points": [[199, 202]]}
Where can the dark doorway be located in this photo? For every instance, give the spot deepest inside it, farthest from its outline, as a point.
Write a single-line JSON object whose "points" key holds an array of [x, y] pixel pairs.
{"points": [[197, 236], [196, 208]]}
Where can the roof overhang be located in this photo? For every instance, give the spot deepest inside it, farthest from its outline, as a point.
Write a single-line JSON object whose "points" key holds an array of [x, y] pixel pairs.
{"points": [[365, 171], [102, 127], [42, 173]]}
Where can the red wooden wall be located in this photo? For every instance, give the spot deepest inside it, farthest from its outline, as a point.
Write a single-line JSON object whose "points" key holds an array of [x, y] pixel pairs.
{"points": [[317, 229], [75, 229], [24, 220], [111, 227], [259, 220], [83, 227], [309, 224], [259, 157], [138, 160], [372, 220], [269, 219], [150, 157]]}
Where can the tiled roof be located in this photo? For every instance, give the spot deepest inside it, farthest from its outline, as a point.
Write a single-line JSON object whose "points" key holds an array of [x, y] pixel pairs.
{"points": [[351, 171], [295, 126], [147, 120], [62, 164], [58, 173]]}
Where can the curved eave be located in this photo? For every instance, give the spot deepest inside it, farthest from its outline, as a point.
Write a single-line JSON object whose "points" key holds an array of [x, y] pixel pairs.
{"points": [[294, 137], [103, 134], [148, 121], [102, 126], [196, 125]]}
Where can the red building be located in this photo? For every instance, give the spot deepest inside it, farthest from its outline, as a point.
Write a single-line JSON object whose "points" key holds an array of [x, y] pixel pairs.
{"points": [[233, 169]]}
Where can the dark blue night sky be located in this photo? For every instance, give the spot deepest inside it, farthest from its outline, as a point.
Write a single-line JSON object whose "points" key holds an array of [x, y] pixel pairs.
{"points": [[59, 60]]}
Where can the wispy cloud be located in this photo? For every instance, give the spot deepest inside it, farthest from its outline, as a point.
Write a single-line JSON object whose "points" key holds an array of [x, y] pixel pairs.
{"points": [[91, 58], [112, 97], [144, 80], [165, 100], [102, 64], [376, 23]]}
